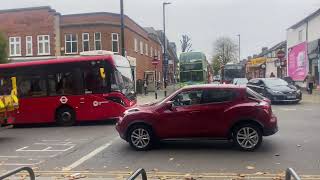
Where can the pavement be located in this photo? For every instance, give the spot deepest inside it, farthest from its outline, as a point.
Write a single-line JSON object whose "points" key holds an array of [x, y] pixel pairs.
{"points": [[95, 151]]}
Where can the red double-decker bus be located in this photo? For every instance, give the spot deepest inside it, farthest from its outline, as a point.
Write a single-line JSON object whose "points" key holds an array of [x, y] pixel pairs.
{"points": [[67, 90]]}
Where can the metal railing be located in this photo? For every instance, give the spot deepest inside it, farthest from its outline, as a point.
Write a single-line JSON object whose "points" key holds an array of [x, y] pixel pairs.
{"points": [[18, 170], [291, 173], [139, 172]]}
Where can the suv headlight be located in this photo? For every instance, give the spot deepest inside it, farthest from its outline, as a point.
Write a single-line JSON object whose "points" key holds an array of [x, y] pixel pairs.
{"points": [[131, 111]]}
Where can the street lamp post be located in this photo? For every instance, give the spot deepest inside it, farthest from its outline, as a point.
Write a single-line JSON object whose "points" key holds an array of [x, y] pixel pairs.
{"points": [[123, 50], [155, 62], [239, 47], [165, 48]]}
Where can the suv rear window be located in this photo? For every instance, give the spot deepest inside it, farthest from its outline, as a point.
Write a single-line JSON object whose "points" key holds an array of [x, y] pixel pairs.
{"points": [[253, 95]]}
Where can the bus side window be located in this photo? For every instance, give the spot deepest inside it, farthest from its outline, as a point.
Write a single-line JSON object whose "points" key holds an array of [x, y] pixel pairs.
{"points": [[95, 80], [32, 86], [61, 84]]}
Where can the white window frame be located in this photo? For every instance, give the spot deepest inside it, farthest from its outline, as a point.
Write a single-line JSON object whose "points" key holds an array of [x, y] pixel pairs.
{"points": [[159, 55], [71, 42], [151, 52], [156, 53], [85, 40], [141, 47], [29, 42], [15, 42], [300, 35], [147, 49], [43, 44], [136, 45], [115, 40], [100, 40]]}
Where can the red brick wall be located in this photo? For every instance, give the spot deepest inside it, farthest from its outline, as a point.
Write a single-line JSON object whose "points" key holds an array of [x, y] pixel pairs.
{"points": [[40, 21], [29, 22], [107, 24]]}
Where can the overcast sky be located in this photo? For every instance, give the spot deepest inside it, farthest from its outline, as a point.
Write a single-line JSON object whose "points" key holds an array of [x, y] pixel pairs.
{"points": [[260, 22]]}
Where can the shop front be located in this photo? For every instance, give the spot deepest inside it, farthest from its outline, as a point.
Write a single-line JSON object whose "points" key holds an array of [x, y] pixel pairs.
{"points": [[314, 58], [298, 62], [271, 68], [256, 68]]}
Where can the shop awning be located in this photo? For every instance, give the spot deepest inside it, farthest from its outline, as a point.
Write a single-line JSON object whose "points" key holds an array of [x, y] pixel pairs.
{"points": [[256, 62]]}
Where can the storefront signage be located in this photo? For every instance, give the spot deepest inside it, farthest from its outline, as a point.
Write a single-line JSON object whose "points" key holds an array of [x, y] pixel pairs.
{"points": [[257, 61], [298, 62]]}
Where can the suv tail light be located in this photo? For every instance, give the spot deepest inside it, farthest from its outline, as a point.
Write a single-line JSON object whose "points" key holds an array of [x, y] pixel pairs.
{"points": [[265, 106]]}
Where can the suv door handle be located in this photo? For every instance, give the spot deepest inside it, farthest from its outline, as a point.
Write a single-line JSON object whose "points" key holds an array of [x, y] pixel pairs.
{"points": [[192, 112]]}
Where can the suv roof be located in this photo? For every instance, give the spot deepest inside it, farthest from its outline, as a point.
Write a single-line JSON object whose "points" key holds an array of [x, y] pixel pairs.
{"points": [[214, 86]]}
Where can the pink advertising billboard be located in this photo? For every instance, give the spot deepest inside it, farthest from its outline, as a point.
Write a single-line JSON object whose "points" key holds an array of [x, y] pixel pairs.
{"points": [[298, 62]]}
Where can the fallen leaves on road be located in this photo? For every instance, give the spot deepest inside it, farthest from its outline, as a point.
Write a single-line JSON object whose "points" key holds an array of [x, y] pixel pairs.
{"points": [[250, 167], [260, 173], [76, 176], [298, 145], [277, 155], [155, 169], [189, 178], [171, 159]]}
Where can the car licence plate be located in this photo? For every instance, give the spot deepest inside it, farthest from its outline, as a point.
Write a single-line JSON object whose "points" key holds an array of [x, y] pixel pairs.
{"points": [[291, 97]]}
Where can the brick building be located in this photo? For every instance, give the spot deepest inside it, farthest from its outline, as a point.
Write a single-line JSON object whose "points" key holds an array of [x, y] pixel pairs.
{"points": [[41, 33]]}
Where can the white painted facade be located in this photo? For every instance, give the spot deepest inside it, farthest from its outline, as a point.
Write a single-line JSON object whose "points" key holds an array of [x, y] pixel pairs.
{"points": [[314, 29], [307, 30], [293, 35]]}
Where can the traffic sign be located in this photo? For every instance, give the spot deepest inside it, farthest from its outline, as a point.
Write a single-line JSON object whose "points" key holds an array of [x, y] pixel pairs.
{"points": [[281, 54], [155, 62]]}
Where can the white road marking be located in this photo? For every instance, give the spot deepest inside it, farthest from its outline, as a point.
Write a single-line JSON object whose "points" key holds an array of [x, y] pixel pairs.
{"points": [[56, 144], [307, 109], [288, 109], [89, 156], [47, 149]]}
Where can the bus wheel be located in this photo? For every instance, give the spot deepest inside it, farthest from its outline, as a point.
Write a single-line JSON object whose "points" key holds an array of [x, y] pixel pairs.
{"points": [[65, 116]]}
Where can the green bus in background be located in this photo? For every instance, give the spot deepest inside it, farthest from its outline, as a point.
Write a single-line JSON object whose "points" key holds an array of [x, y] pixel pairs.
{"points": [[194, 69]]}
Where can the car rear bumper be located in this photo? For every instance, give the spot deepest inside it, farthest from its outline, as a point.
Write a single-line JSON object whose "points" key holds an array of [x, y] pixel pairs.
{"points": [[268, 131]]}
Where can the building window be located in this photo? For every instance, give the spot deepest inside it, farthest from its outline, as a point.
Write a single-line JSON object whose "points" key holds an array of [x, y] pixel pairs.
{"points": [[156, 54], [43, 45], [115, 42], [147, 51], [159, 55], [97, 41], [71, 45], [136, 45], [151, 52], [141, 47], [15, 46], [85, 42], [29, 46], [300, 35]]}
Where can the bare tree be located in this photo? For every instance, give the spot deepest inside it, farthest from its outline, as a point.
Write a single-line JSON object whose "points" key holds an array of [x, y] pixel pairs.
{"points": [[186, 43], [216, 65], [225, 50]]}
